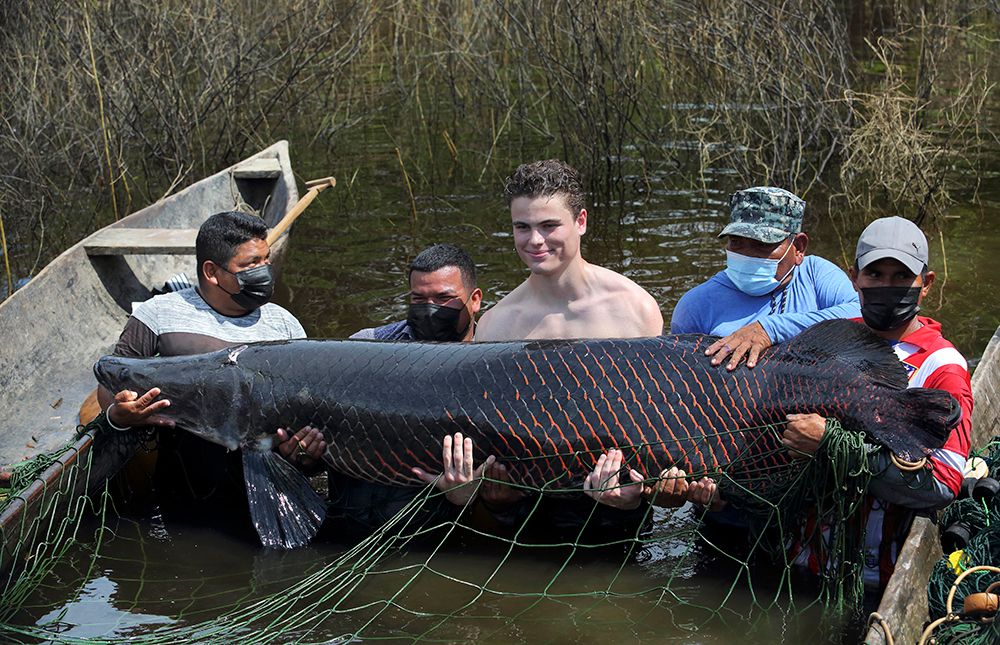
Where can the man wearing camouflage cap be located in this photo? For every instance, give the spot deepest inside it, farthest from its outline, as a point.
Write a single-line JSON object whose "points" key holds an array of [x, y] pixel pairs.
{"points": [[770, 290]]}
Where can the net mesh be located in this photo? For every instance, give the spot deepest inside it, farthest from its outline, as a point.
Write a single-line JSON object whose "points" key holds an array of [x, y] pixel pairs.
{"points": [[95, 574], [980, 516]]}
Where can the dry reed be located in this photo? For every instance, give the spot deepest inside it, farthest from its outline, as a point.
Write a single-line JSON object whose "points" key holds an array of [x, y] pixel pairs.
{"points": [[781, 93]]}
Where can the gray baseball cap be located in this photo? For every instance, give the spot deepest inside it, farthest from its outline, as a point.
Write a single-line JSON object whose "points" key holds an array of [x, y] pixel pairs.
{"points": [[764, 213], [896, 238]]}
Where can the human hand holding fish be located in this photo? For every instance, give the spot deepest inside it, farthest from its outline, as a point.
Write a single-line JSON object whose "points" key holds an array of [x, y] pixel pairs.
{"points": [[495, 490], [803, 434], [673, 489], [705, 492], [670, 490], [129, 409], [304, 449], [749, 340], [602, 484], [457, 480]]}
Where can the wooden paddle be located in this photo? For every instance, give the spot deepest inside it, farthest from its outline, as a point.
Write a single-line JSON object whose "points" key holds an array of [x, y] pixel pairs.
{"points": [[314, 186]]}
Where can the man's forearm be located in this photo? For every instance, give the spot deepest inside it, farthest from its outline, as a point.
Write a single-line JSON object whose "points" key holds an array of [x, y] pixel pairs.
{"points": [[781, 327], [918, 490], [104, 397]]}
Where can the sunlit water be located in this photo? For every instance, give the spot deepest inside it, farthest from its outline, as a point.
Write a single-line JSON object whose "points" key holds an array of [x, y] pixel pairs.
{"points": [[147, 576]]}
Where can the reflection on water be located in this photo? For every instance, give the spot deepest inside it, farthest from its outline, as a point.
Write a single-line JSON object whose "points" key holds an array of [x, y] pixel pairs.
{"points": [[93, 614], [474, 588]]}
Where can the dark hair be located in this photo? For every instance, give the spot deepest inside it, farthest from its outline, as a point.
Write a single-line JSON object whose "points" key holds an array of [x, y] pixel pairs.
{"points": [[544, 179], [222, 233], [440, 256]]}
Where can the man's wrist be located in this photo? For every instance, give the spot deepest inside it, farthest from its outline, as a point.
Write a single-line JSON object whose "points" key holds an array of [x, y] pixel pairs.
{"points": [[114, 426]]}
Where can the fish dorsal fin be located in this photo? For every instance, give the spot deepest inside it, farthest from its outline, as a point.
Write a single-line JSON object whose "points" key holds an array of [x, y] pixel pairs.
{"points": [[851, 343]]}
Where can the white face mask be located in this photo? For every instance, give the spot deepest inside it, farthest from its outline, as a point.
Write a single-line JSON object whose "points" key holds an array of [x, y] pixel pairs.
{"points": [[755, 276]]}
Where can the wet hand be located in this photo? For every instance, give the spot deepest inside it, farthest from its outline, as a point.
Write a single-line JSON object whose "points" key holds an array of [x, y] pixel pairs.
{"points": [[670, 490], [130, 409], [494, 491], [803, 433], [749, 340], [602, 484], [304, 449], [705, 492], [457, 481]]}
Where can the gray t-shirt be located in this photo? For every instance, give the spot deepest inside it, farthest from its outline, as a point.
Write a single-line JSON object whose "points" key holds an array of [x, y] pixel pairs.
{"points": [[192, 475], [182, 323]]}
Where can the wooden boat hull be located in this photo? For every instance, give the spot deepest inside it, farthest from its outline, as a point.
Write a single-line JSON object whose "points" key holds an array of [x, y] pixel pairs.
{"points": [[904, 603], [71, 313]]}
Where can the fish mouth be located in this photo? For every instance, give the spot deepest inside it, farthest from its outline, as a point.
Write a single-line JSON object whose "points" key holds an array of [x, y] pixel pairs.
{"points": [[111, 372]]}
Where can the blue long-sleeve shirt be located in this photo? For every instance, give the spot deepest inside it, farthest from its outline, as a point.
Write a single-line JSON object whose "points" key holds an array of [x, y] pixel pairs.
{"points": [[819, 290]]}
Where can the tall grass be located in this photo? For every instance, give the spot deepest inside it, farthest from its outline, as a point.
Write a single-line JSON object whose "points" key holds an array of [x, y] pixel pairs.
{"points": [[110, 104]]}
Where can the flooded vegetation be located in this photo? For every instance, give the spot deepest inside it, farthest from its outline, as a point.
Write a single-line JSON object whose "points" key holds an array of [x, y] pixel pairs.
{"points": [[876, 106], [420, 110]]}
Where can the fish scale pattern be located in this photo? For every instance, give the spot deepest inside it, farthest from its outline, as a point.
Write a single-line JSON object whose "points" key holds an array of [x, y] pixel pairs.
{"points": [[547, 409]]}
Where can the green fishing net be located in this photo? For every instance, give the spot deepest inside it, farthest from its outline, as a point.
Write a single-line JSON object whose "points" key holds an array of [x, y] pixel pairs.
{"points": [[981, 518], [81, 571]]}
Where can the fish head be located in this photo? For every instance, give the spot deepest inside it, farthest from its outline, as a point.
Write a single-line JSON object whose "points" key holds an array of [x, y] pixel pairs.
{"points": [[204, 390]]}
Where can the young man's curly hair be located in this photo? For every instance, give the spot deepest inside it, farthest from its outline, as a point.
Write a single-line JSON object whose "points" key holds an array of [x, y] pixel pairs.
{"points": [[545, 179]]}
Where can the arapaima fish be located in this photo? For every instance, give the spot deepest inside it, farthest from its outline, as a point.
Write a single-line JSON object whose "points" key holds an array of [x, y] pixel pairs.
{"points": [[548, 409]]}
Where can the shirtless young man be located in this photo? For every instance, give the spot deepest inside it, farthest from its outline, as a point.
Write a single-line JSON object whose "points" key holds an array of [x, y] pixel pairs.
{"points": [[565, 296]]}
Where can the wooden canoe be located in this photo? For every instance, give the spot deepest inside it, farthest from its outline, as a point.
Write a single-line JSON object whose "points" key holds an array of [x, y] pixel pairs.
{"points": [[904, 603], [71, 313]]}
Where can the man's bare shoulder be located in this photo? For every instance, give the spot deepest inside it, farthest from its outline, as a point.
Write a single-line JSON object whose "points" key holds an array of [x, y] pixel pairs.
{"points": [[639, 304], [497, 322]]}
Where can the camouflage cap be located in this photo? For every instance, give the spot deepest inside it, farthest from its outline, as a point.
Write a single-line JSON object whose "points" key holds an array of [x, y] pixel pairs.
{"points": [[765, 214]]}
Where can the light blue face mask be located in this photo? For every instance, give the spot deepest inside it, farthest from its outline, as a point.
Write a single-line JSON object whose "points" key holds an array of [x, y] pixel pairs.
{"points": [[755, 276]]}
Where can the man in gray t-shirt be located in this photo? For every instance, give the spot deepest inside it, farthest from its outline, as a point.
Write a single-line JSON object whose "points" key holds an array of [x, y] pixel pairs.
{"points": [[228, 307], [183, 322]]}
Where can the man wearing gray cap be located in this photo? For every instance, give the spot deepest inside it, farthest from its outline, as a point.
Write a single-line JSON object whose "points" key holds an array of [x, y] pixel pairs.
{"points": [[770, 290], [890, 272]]}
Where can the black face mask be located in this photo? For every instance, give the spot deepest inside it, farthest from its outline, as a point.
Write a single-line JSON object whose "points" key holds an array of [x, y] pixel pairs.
{"points": [[256, 286], [887, 308], [435, 322]]}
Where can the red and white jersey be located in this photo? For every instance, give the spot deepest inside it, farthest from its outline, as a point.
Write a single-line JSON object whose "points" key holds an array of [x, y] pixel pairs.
{"points": [[933, 362]]}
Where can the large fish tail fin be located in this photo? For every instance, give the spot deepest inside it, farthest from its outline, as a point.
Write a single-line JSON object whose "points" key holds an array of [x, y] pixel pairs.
{"points": [[285, 509], [918, 420]]}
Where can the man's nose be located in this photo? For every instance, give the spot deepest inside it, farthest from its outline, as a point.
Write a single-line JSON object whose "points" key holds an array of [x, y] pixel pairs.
{"points": [[536, 237]]}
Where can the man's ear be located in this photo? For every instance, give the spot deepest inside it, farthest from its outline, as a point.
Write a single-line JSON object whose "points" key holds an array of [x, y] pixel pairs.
{"points": [[801, 243], [928, 281], [581, 221], [476, 301], [210, 271], [852, 273]]}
